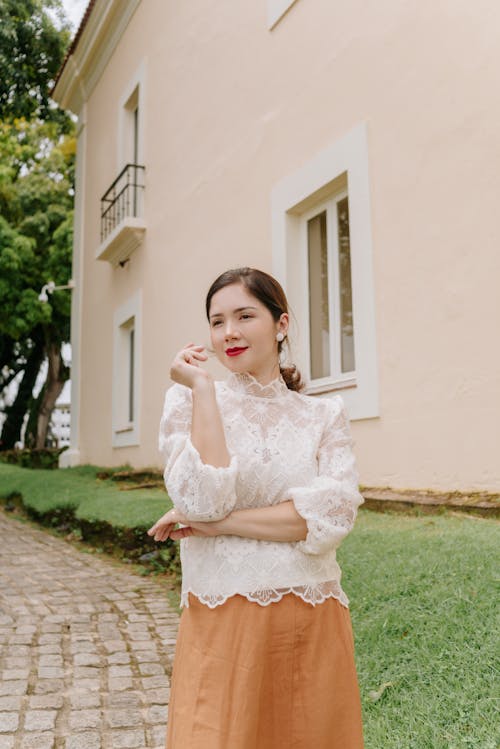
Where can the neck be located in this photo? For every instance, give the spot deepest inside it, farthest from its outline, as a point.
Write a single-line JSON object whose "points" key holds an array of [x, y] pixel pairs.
{"points": [[267, 375]]}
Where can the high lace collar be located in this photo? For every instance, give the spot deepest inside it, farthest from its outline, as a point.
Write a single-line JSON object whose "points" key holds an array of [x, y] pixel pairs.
{"points": [[247, 383]]}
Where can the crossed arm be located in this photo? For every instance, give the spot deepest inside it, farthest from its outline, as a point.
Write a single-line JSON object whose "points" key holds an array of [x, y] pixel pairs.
{"points": [[279, 522]]}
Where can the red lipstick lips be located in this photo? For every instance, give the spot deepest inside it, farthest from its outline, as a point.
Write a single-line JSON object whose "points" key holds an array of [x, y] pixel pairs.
{"points": [[235, 351]]}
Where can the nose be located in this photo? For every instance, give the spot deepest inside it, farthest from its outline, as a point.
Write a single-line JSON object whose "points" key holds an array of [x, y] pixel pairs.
{"points": [[230, 330]]}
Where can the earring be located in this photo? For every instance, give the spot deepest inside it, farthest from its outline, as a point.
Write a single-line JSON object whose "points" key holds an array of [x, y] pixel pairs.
{"points": [[280, 337]]}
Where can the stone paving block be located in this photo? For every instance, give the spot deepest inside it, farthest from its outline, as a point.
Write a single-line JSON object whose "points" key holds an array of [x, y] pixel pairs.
{"points": [[39, 720], [44, 740], [25, 629], [155, 682], [17, 662], [88, 740], [51, 660], [47, 629], [50, 648], [81, 637], [119, 684], [86, 672], [20, 639], [87, 659], [117, 700], [10, 703], [123, 718], [151, 669], [113, 646], [157, 735], [127, 739], [147, 656], [157, 696], [19, 650], [83, 646], [87, 685], [84, 719], [15, 673], [9, 688], [141, 644], [47, 686], [84, 700], [50, 672], [6, 742], [120, 659], [9, 722], [157, 714], [119, 671], [46, 700]]}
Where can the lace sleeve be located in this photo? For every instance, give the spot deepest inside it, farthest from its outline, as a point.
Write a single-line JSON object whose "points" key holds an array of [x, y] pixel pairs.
{"points": [[199, 490], [329, 504]]}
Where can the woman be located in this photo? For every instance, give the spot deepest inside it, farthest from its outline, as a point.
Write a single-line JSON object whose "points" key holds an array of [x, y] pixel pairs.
{"points": [[264, 487]]}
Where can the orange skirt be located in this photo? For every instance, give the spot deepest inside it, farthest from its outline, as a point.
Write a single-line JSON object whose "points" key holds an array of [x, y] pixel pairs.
{"points": [[265, 677]]}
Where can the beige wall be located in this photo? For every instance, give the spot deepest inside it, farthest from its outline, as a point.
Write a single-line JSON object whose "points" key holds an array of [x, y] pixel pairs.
{"points": [[232, 108]]}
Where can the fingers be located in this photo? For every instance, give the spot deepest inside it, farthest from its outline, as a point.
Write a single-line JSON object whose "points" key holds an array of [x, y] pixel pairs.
{"points": [[191, 354], [179, 533]]}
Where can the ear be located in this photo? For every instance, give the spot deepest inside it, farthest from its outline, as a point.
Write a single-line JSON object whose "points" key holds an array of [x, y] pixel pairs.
{"points": [[282, 326]]}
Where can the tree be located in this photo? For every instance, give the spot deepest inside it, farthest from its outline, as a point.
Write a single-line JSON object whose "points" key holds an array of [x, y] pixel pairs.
{"points": [[37, 148], [32, 48]]}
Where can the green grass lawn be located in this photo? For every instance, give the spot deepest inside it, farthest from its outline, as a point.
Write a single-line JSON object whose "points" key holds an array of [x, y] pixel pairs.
{"points": [[425, 620], [78, 489], [422, 600]]}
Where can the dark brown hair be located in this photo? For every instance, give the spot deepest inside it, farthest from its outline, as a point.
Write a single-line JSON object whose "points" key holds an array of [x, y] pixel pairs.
{"points": [[267, 290]]}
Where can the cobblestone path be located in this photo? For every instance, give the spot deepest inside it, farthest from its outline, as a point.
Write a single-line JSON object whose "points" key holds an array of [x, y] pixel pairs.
{"points": [[85, 648]]}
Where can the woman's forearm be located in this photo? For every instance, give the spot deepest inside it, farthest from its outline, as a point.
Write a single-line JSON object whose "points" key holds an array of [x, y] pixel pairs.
{"points": [[279, 522], [207, 431]]}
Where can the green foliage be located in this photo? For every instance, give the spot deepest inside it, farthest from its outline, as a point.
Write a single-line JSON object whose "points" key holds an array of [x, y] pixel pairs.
{"points": [[37, 148], [45, 457], [34, 36]]}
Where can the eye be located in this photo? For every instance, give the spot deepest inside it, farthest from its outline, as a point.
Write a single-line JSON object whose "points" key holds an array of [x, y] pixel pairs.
{"points": [[215, 323], [246, 317]]}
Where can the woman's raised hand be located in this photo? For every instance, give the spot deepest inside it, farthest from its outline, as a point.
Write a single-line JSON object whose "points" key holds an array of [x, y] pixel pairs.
{"points": [[186, 368]]}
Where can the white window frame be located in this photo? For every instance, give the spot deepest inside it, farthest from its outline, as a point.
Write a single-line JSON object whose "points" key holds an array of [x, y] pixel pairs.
{"points": [[276, 9], [136, 83], [336, 379], [342, 165], [125, 432]]}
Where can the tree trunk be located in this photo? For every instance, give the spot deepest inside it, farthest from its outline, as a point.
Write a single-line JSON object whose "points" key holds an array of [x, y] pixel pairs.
{"points": [[11, 430], [57, 375]]}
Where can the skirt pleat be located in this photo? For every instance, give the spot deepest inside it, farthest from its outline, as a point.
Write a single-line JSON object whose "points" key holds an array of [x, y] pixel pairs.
{"points": [[281, 676]]}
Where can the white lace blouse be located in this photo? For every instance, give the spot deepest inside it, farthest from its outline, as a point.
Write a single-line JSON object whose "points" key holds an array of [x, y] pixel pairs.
{"points": [[283, 445]]}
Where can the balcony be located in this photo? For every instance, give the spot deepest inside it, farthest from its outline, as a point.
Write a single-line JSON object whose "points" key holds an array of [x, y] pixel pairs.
{"points": [[122, 225]]}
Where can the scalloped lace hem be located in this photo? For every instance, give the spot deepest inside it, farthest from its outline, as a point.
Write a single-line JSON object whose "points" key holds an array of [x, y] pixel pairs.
{"points": [[311, 595]]}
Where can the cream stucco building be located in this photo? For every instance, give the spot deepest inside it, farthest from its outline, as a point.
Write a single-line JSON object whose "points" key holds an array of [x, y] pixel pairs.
{"points": [[351, 149]]}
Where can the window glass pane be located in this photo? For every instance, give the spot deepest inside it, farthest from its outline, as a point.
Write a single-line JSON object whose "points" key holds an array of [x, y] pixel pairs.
{"points": [[346, 321], [318, 296], [131, 378]]}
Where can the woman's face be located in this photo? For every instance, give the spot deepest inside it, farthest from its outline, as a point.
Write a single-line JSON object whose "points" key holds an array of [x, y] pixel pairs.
{"points": [[243, 332]]}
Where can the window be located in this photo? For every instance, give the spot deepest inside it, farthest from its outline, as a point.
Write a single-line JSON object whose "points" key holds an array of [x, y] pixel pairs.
{"points": [[123, 223], [322, 256], [330, 329], [126, 373], [276, 9]]}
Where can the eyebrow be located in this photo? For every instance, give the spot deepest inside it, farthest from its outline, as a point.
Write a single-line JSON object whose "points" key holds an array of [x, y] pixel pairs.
{"points": [[238, 309]]}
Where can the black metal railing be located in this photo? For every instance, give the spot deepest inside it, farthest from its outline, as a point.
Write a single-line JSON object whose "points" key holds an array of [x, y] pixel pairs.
{"points": [[123, 199]]}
